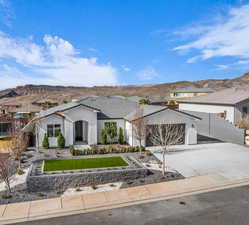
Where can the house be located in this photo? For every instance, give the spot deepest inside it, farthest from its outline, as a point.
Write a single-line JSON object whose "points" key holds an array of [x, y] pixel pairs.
{"points": [[81, 122], [231, 103], [14, 116], [190, 91]]}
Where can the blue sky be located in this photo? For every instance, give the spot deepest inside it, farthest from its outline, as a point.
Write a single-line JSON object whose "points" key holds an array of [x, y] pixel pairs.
{"points": [[114, 42]]}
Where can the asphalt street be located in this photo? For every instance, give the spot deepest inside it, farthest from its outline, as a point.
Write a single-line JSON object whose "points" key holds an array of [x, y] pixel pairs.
{"points": [[225, 207]]}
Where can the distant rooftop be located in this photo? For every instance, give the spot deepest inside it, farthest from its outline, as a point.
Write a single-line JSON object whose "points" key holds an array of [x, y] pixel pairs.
{"points": [[193, 89], [152, 99], [230, 96]]}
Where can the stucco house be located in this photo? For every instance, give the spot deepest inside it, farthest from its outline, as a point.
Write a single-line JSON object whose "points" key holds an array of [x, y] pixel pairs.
{"points": [[81, 122], [189, 92], [231, 103]]}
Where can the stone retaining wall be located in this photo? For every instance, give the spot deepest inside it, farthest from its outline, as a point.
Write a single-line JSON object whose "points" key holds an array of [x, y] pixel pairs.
{"points": [[62, 181]]}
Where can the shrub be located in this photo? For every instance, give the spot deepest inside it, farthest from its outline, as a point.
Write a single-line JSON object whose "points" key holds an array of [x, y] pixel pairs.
{"points": [[60, 140], [72, 150], [104, 150], [148, 153], [144, 101], [45, 142], [121, 136], [103, 137], [20, 172]]}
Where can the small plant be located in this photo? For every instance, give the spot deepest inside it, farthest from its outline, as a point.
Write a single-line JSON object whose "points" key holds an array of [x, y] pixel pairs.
{"points": [[121, 136], [78, 189], [6, 196], [61, 141], [94, 187], [148, 153], [172, 102], [60, 192], [20, 172], [45, 142], [40, 194], [103, 137]]}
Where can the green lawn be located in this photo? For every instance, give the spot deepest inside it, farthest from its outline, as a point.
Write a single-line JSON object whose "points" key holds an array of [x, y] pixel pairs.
{"points": [[83, 163]]}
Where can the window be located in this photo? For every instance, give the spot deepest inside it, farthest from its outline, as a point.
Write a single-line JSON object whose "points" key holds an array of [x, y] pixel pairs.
{"points": [[57, 129], [109, 124], [53, 130]]}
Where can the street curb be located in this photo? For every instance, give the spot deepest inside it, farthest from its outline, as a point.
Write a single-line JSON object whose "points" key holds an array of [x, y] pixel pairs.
{"points": [[142, 200]]}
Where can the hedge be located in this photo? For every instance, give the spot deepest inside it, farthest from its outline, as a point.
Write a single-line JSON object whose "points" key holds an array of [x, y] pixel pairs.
{"points": [[104, 150]]}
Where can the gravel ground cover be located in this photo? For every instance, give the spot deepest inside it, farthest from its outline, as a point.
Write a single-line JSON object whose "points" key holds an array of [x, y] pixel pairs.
{"points": [[20, 193]]}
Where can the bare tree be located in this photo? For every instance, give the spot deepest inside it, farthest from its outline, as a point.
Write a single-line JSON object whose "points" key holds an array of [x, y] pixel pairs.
{"points": [[243, 123], [17, 145], [139, 125], [7, 169], [165, 135]]}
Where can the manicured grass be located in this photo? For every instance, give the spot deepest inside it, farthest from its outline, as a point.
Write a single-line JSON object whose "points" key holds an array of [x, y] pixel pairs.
{"points": [[83, 163]]}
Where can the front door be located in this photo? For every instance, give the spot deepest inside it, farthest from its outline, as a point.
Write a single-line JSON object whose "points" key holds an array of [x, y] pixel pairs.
{"points": [[78, 131]]}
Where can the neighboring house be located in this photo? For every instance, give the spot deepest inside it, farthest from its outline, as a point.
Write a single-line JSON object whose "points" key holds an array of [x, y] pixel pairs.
{"points": [[81, 122], [189, 92], [14, 116], [230, 103]]}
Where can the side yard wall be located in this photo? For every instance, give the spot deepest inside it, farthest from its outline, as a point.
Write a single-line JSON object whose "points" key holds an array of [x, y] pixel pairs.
{"points": [[209, 109]]}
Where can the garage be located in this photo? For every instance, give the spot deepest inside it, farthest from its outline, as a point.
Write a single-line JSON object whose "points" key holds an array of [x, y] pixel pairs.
{"points": [[151, 128]]}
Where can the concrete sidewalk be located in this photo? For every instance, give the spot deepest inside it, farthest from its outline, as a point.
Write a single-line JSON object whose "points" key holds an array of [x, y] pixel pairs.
{"points": [[34, 210]]}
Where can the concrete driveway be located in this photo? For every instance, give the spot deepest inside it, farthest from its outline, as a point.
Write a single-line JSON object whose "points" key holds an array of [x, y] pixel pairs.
{"points": [[230, 161]]}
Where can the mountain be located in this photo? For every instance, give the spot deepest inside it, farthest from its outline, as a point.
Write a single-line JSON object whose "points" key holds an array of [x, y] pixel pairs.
{"points": [[33, 93]]}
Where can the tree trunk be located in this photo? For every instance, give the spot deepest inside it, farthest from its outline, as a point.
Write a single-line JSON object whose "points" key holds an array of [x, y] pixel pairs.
{"points": [[19, 163], [140, 146], [7, 182], [164, 163]]}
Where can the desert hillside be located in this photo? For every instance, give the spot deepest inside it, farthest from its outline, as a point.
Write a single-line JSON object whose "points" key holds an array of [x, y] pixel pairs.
{"points": [[32, 93]]}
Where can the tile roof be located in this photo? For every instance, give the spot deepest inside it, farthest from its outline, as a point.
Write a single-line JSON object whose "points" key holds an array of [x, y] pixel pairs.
{"points": [[230, 96], [110, 106]]}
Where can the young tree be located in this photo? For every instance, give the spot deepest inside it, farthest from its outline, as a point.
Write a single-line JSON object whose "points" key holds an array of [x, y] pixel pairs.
{"points": [[7, 169], [121, 136], [17, 145], [165, 135], [45, 142], [61, 140], [139, 125], [103, 137]]}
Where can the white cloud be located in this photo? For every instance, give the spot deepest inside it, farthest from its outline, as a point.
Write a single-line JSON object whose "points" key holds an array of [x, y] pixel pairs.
{"points": [[222, 67], [56, 61], [226, 37], [147, 74], [125, 68]]}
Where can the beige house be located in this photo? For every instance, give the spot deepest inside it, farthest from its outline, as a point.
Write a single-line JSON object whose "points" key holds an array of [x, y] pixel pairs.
{"points": [[231, 103], [189, 92]]}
